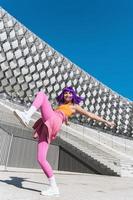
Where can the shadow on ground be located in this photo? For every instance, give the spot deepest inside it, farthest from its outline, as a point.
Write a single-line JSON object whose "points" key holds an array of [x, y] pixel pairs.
{"points": [[18, 182]]}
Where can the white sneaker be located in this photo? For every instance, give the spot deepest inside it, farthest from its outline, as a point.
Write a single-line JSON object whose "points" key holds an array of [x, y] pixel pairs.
{"points": [[22, 117], [51, 192]]}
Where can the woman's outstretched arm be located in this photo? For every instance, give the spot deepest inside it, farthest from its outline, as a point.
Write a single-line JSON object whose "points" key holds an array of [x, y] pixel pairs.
{"points": [[82, 111]]}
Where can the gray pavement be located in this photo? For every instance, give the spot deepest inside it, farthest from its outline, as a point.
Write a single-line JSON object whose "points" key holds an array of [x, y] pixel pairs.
{"points": [[26, 185]]}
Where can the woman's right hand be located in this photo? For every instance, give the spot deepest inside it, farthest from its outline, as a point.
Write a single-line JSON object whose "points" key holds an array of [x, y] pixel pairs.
{"points": [[67, 123]]}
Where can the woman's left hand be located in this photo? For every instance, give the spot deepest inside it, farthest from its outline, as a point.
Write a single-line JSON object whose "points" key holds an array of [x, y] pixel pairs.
{"points": [[111, 124]]}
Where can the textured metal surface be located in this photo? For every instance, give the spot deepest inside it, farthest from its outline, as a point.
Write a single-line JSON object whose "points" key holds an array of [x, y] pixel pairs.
{"points": [[28, 65], [4, 146]]}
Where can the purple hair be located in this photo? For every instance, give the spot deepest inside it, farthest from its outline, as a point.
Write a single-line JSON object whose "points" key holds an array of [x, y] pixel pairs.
{"points": [[75, 99]]}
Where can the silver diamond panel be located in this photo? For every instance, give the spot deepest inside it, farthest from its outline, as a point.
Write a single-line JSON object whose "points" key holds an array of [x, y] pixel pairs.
{"points": [[29, 65]]}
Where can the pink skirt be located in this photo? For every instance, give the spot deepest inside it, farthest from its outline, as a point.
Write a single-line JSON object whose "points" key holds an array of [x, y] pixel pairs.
{"points": [[50, 127]]}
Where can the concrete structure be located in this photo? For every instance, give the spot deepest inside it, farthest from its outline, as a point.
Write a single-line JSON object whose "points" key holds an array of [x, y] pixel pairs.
{"points": [[18, 148]]}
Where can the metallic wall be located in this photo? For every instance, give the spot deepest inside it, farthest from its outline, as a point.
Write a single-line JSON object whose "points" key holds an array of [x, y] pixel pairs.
{"points": [[20, 150], [28, 65]]}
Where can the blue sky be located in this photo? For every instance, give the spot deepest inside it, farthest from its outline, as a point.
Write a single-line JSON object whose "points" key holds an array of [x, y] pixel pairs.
{"points": [[97, 35]]}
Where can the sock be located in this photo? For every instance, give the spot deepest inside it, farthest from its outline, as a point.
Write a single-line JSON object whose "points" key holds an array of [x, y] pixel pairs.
{"points": [[52, 182], [31, 111]]}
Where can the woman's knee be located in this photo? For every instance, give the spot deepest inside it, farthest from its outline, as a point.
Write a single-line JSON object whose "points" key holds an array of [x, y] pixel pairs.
{"points": [[41, 94]]}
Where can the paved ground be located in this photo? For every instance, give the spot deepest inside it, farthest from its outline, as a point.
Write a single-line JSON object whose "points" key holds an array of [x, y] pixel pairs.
{"points": [[21, 185]]}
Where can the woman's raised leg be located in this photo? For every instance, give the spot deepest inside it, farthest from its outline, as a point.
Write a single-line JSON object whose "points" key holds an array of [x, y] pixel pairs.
{"points": [[40, 102]]}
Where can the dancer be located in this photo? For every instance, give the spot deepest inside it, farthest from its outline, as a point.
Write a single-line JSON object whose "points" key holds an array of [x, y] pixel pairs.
{"points": [[47, 127]]}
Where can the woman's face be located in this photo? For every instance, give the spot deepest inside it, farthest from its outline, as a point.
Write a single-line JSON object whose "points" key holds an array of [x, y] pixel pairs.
{"points": [[68, 96]]}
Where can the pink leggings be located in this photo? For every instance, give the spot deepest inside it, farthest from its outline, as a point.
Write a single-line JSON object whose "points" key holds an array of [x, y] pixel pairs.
{"points": [[41, 101]]}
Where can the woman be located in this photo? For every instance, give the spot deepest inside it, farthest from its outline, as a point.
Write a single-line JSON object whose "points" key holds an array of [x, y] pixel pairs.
{"points": [[47, 127]]}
